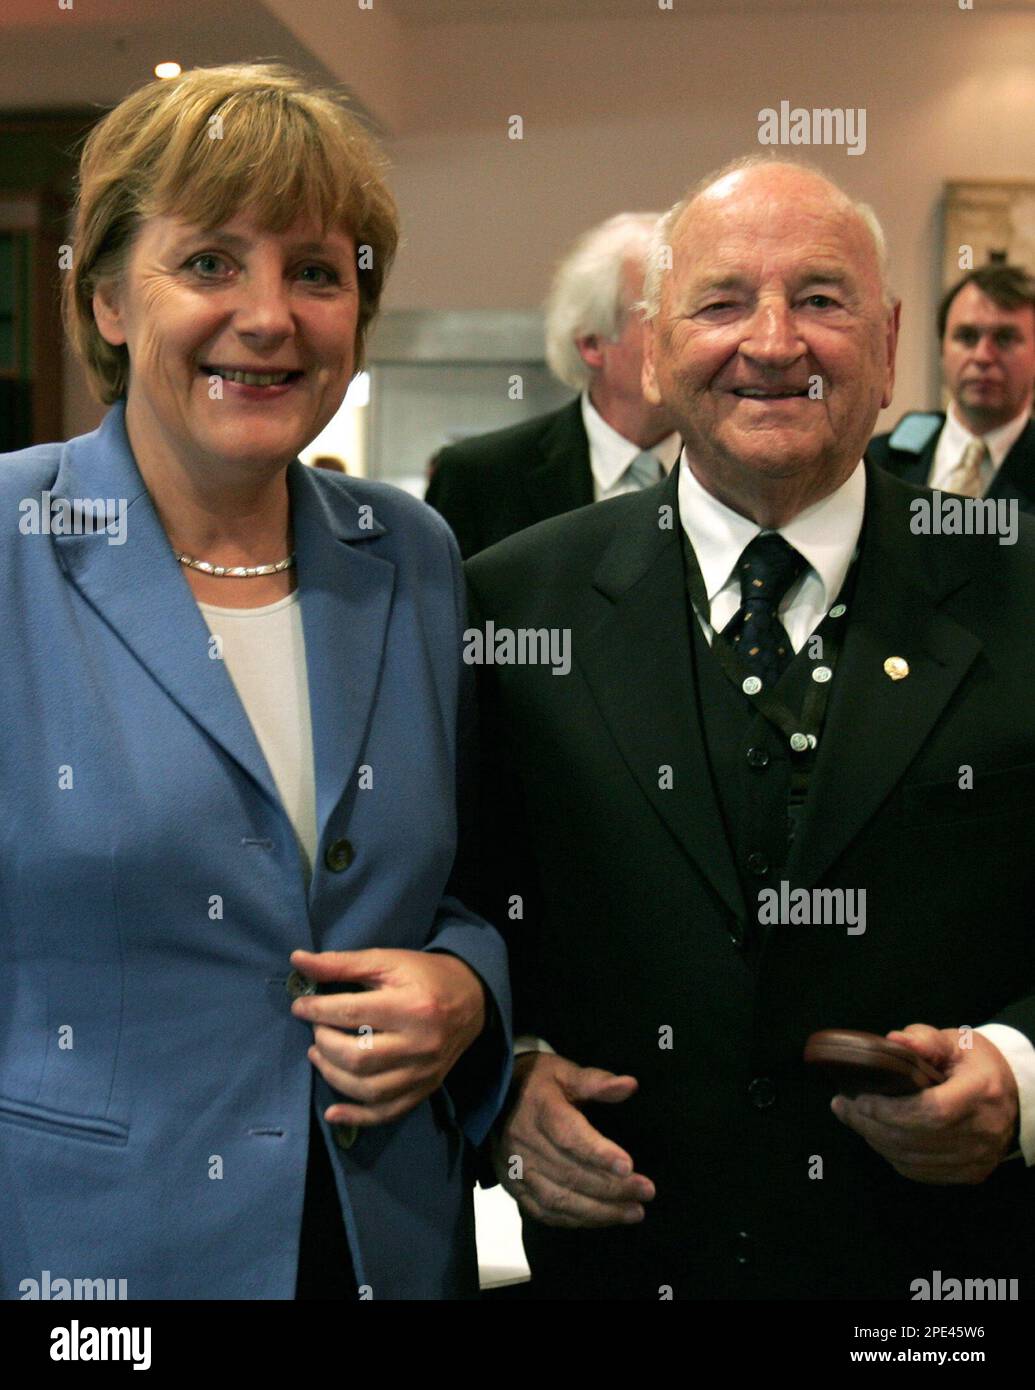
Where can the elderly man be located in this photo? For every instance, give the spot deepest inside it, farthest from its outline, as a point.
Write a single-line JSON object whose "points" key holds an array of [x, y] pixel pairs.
{"points": [[607, 442], [985, 445], [779, 692]]}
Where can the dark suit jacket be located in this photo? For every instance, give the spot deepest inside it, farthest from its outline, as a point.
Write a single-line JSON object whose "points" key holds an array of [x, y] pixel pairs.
{"points": [[489, 487], [621, 899], [1015, 478]]}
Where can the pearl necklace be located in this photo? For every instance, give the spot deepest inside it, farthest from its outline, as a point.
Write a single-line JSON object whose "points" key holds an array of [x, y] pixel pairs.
{"points": [[235, 571]]}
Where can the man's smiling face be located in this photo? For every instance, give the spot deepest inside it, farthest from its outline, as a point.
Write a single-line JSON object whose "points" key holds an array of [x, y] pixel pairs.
{"points": [[775, 284]]}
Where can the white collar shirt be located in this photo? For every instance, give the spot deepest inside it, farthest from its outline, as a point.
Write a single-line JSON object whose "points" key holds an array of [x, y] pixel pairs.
{"points": [[826, 534], [955, 437], [610, 454]]}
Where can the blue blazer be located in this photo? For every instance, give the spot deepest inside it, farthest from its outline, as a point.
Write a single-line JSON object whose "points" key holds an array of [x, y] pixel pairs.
{"points": [[155, 1095]]}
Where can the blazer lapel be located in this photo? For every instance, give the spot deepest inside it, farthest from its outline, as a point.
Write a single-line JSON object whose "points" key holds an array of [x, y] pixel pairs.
{"points": [[346, 594], [637, 662], [1016, 478], [561, 479], [875, 726], [140, 591]]}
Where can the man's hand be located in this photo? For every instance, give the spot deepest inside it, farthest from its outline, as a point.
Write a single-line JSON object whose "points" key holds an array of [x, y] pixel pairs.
{"points": [[959, 1131], [570, 1174], [418, 1013]]}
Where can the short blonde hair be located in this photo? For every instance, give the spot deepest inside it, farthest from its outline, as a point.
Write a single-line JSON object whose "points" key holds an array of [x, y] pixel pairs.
{"points": [[212, 143]]}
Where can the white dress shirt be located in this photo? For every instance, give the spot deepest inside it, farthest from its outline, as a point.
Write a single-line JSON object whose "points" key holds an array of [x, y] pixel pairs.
{"points": [[826, 533], [610, 454], [955, 437]]}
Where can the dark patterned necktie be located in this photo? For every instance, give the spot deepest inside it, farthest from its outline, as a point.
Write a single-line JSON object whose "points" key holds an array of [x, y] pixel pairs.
{"points": [[767, 568]]}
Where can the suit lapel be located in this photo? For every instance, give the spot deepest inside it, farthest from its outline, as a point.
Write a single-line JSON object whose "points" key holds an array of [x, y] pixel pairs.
{"points": [[346, 595], [1016, 478], [875, 726], [139, 589], [561, 479], [637, 663]]}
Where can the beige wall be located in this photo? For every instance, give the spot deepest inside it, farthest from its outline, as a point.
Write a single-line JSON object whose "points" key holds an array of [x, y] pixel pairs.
{"points": [[624, 113]]}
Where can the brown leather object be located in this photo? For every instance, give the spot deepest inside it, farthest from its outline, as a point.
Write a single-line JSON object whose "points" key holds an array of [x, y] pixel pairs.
{"points": [[854, 1063]]}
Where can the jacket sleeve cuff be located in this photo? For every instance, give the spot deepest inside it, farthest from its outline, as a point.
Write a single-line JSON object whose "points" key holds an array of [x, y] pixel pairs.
{"points": [[478, 1083]]}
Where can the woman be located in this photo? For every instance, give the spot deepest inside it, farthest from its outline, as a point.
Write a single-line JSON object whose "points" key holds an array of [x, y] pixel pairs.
{"points": [[233, 687]]}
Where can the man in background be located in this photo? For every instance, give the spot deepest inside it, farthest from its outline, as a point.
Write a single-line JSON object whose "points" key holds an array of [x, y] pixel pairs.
{"points": [[608, 441], [985, 445]]}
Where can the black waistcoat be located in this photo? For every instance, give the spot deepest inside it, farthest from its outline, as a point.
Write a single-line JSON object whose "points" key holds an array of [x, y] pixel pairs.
{"points": [[760, 783]]}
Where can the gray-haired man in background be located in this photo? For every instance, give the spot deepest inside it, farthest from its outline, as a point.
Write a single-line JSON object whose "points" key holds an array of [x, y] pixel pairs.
{"points": [[608, 441]]}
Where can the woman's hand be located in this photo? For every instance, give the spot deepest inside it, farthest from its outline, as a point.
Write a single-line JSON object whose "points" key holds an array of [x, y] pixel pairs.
{"points": [[389, 1045]]}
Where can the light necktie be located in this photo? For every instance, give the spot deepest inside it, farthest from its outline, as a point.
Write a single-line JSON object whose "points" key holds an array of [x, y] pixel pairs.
{"points": [[645, 470], [966, 478], [767, 568]]}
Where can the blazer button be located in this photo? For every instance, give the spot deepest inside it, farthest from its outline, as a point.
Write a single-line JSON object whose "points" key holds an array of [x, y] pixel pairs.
{"points": [[339, 856], [758, 864], [743, 1248], [737, 933], [297, 985], [762, 1093], [758, 757], [345, 1135]]}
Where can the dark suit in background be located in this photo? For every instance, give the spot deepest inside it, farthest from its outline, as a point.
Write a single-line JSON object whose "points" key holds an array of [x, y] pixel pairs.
{"points": [[909, 455], [491, 486], [637, 915]]}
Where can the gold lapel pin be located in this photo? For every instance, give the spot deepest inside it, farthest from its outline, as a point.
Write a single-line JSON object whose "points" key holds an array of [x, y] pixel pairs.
{"points": [[897, 667]]}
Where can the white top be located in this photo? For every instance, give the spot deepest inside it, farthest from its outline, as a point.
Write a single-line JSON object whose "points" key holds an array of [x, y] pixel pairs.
{"points": [[955, 437], [826, 533], [610, 454], [264, 652]]}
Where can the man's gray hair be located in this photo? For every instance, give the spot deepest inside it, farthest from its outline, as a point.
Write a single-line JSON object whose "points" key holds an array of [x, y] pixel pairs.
{"points": [[659, 253], [587, 294]]}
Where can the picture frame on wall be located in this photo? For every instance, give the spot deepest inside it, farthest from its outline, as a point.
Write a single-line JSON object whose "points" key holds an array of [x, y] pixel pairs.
{"points": [[994, 218]]}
